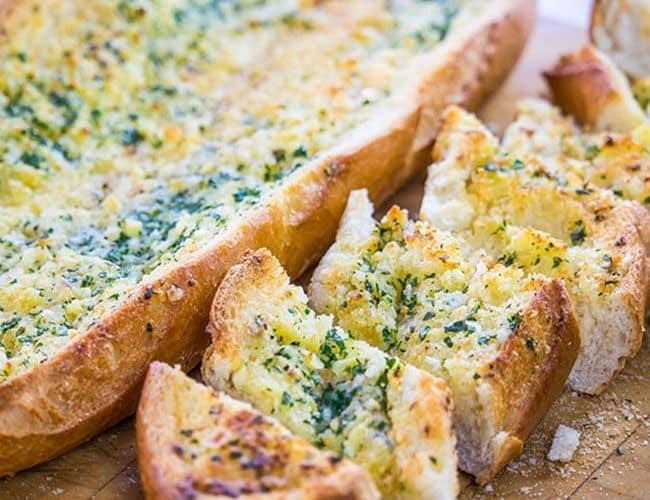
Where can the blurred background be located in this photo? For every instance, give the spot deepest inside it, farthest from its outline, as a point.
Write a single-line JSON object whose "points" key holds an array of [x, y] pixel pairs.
{"points": [[574, 12]]}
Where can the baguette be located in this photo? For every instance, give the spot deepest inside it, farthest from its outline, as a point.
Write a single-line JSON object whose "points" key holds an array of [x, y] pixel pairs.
{"points": [[531, 213], [504, 342], [197, 443], [89, 375], [270, 349], [592, 84]]}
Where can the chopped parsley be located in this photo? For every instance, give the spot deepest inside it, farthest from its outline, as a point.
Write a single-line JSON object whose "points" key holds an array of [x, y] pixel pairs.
{"points": [[514, 321], [579, 234], [333, 347]]}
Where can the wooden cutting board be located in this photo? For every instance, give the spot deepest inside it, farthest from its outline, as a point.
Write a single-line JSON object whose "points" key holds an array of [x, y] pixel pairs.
{"points": [[613, 458]]}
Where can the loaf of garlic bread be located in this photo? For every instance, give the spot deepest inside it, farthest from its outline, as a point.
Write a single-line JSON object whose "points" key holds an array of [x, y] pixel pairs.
{"points": [[147, 144]]}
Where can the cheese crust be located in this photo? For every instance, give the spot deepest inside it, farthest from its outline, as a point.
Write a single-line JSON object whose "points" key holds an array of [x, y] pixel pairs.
{"points": [[94, 381]]}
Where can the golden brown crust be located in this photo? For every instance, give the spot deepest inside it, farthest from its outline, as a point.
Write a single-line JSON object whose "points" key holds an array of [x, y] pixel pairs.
{"points": [[588, 86], [165, 475], [549, 330], [623, 237], [95, 381], [576, 80]]}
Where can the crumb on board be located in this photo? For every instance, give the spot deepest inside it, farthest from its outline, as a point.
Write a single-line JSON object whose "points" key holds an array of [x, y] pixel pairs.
{"points": [[565, 444]]}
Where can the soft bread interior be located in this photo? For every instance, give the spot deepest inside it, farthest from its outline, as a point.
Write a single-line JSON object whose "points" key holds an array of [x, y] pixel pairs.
{"points": [[621, 28]]}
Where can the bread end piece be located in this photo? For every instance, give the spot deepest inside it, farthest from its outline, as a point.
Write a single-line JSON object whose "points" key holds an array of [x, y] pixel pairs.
{"points": [[183, 428], [587, 85]]}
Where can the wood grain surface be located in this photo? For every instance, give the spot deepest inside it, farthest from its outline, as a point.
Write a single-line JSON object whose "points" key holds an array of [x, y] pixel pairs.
{"points": [[613, 458]]}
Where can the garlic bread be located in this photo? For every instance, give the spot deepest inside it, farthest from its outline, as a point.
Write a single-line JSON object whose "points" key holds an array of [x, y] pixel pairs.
{"points": [[531, 213], [271, 349], [606, 84], [156, 141], [194, 442], [504, 341]]}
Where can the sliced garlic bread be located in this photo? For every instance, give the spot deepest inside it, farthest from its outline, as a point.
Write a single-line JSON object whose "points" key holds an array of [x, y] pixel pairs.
{"points": [[271, 349], [503, 341], [156, 141], [194, 442], [532, 214]]}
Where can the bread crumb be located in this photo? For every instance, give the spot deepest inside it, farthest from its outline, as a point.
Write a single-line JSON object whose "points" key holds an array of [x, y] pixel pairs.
{"points": [[565, 444]]}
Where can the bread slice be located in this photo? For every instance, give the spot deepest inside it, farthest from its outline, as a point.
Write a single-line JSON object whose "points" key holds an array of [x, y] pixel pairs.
{"points": [[503, 341], [127, 107], [532, 214], [619, 162], [621, 28], [588, 85], [271, 349], [196, 442]]}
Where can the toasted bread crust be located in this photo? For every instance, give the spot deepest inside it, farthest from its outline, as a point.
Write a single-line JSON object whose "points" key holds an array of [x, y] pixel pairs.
{"points": [[95, 381], [623, 239], [165, 476], [551, 322], [588, 86]]}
